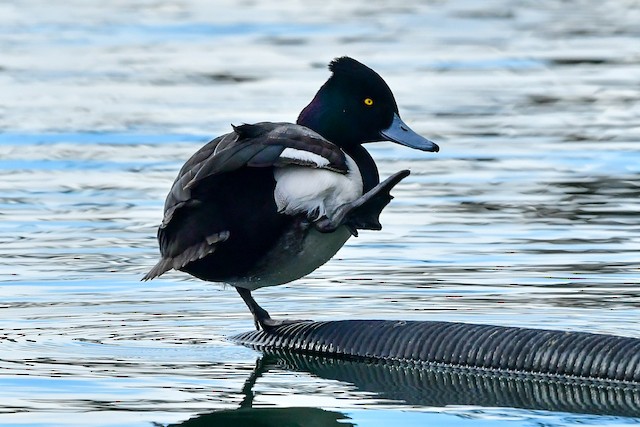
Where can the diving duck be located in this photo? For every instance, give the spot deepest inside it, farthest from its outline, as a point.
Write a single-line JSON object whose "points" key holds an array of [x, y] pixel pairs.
{"points": [[268, 203]]}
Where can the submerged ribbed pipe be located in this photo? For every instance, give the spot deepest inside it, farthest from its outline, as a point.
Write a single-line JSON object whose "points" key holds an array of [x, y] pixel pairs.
{"points": [[536, 351]]}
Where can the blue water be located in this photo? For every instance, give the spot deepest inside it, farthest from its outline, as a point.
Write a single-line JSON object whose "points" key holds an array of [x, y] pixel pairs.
{"points": [[528, 216]]}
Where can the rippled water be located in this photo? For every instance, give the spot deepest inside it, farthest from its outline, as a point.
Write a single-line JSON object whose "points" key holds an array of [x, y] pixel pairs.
{"points": [[529, 215]]}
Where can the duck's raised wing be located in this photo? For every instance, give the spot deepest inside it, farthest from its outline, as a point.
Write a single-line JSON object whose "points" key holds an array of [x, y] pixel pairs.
{"points": [[255, 146], [271, 144]]}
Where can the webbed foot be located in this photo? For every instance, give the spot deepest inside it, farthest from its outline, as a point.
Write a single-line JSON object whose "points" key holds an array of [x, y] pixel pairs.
{"points": [[364, 212]]}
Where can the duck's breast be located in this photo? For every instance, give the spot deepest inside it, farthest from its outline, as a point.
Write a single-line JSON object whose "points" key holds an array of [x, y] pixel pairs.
{"points": [[300, 251], [314, 191]]}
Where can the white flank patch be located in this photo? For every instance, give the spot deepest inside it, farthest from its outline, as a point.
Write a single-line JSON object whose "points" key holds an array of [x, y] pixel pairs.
{"points": [[315, 192], [304, 156]]}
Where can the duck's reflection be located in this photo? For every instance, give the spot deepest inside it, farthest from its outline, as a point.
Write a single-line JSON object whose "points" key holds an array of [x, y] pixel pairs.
{"points": [[270, 417], [247, 416], [427, 387]]}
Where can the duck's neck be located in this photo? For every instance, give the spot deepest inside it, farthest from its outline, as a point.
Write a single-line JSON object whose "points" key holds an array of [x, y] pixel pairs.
{"points": [[368, 168], [317, 117], [325, 114], [325, 122]]}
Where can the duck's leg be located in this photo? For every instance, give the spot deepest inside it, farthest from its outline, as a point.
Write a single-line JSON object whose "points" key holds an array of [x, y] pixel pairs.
{"points": [[364, 212], [261, 317]]}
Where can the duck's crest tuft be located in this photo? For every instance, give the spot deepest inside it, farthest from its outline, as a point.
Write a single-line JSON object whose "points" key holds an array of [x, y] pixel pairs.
{"points": [[346, 64]]}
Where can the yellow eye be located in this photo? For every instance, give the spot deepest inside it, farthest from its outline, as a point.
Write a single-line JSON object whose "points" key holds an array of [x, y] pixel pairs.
{"points": [[368, 102]]}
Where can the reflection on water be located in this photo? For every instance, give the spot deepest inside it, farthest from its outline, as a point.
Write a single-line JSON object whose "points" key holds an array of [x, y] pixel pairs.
{"points": [[438, 387], [527, 217], [424, 386], [247, 415], [271, 417]]}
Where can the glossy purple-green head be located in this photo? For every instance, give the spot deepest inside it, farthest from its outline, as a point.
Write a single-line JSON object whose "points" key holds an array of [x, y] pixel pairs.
{"points": [[356, 106]]}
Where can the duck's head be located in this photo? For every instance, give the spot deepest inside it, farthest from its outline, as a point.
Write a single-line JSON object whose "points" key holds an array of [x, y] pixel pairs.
{"points": [[356, 106]]}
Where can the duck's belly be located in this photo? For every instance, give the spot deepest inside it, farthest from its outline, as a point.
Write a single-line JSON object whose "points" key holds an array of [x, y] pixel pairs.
{"points": [[301, 250]]}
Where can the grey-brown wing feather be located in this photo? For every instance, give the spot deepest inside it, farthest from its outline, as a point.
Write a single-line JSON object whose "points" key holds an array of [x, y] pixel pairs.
{"points": [[261, 145]]}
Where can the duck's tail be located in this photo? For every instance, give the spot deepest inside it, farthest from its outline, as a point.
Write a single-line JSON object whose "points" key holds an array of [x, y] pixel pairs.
{"points": [[164, 265]]}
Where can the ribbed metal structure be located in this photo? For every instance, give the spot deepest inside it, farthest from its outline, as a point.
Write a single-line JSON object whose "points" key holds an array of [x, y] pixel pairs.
{"points": [[484, 347]]}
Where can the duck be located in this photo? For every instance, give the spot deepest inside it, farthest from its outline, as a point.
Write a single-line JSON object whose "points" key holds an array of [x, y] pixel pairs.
{"points": [[270, 202]]}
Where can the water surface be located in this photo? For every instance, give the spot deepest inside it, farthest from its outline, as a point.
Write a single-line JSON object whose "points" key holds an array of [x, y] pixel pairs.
{"points": [[527, 217]]}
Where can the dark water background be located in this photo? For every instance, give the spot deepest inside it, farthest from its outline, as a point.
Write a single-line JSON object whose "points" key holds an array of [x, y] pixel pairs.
{"points": [[528, 216]]}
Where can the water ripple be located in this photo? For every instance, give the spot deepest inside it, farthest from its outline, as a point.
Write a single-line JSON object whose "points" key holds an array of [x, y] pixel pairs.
{"points": [[528, 216]]}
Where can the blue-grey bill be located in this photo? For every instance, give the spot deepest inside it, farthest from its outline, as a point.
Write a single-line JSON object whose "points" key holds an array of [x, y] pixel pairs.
{"points": [[402, 134]]}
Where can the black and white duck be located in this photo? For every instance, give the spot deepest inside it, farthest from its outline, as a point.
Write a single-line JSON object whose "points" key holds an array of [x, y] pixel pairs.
{"points": [[269, 203]]}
